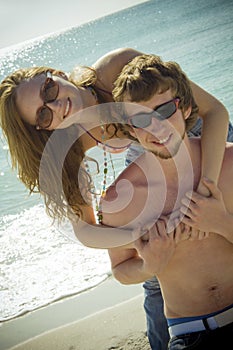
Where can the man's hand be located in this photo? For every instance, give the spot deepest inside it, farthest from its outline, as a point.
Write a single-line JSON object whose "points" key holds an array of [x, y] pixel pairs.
{"points": [[157, 250]]}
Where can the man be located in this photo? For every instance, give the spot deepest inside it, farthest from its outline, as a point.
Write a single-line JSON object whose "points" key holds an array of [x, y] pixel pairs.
{"points": [[196, 276]]}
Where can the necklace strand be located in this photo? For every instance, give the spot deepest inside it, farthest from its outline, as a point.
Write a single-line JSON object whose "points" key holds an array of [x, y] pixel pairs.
{"points": [[105, 172], [98, 205]]}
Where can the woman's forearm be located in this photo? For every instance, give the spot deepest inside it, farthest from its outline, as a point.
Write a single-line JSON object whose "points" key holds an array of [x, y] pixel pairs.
{"points": [[101, 236], [214, 135], [214, 132]]}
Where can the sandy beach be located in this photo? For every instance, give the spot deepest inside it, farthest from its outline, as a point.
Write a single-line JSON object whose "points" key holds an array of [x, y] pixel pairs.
{"points": [[109, 316]]}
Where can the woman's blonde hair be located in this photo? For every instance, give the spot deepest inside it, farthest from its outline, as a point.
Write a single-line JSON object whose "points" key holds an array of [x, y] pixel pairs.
{"points": [[26, 146], [147, 75]]}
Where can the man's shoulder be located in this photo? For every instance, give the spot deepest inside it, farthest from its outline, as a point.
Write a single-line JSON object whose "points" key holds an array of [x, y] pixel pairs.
{"points": [[229, 147], [225, 180], [226, 174], [228, 157]]}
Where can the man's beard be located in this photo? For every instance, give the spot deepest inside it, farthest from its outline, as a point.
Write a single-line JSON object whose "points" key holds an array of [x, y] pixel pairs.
{"points": [[171, 152]]}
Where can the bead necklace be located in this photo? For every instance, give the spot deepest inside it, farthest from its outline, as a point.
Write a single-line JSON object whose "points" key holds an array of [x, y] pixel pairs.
{"points": [[105, 171], [102, 193], [92, 187]]}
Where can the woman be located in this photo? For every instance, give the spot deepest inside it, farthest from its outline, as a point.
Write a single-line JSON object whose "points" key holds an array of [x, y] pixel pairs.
{"points": [[34, 103]]}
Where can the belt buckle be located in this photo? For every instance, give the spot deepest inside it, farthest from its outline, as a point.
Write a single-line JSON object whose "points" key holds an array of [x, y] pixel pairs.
{"points": [[206, 324], [210, 323]]}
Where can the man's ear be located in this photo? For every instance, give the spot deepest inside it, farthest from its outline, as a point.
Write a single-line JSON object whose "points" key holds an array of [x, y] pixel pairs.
{"points": [[187, 112]]}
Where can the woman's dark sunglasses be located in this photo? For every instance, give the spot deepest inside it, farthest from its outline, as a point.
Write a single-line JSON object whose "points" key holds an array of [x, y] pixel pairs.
{"points": [[162, 112], [49, 92]]}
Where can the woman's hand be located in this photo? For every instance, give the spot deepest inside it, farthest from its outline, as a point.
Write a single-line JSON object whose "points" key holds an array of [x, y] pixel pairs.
{"points": [[203, 190], [204, 213], [182, 231]]}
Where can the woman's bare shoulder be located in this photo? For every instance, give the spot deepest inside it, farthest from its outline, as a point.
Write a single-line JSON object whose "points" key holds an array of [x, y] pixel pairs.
{"points": [[110, 65], [120, 56]]}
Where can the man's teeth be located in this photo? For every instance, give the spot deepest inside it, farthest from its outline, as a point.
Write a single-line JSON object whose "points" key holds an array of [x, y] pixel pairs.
{"points": [[163, 140]]}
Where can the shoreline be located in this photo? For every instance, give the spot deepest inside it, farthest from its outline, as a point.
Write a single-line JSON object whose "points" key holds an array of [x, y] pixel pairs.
{"points": [[47, 304], [71, 318]]}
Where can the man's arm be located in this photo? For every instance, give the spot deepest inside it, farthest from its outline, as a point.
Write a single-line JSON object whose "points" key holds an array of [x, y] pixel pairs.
{"points": [[127, 265]]}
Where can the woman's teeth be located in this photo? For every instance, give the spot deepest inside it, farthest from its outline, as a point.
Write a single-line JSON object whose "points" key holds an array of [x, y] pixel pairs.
{"points": [[67, 108]]}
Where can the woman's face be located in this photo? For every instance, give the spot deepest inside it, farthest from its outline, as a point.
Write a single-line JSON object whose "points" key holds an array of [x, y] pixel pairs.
{"points": [[29, 100]]}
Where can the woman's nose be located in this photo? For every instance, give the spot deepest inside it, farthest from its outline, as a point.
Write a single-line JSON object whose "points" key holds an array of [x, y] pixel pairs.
{"points": [[55, 105], [57, 110]]}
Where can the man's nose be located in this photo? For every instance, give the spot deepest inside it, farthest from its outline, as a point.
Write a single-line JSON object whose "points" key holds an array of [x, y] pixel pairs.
{"points": [[156, 127]]}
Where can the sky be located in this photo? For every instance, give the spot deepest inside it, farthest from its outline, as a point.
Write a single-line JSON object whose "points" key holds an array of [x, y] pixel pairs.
{"points": [[22, 20]]}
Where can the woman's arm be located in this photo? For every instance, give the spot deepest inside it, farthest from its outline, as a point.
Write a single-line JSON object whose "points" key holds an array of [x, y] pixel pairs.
{"points": [[208, 214], [101, 236], [214, 134], [98, 236], [110, 65], [213, 140]]}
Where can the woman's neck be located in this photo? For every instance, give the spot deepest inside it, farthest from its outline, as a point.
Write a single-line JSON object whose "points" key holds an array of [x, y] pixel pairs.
{"points": [[88, 96]]}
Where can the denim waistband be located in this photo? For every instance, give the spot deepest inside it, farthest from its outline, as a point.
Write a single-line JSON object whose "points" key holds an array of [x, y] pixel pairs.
{"points": [[174, 321]]}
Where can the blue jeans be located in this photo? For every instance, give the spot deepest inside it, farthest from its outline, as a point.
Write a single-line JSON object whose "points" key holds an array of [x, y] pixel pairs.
{"points": [[205, 340], [157, 329]]}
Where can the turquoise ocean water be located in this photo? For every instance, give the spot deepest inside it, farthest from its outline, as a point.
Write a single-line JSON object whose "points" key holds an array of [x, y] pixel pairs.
{"points": [[38, 263]]}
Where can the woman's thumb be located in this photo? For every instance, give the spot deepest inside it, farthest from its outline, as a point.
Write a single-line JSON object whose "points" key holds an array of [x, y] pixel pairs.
{"points": [[212, 187]]}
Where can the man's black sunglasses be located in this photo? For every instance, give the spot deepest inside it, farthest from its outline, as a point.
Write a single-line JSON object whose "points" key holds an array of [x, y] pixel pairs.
{"points": [[162, 112]]}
